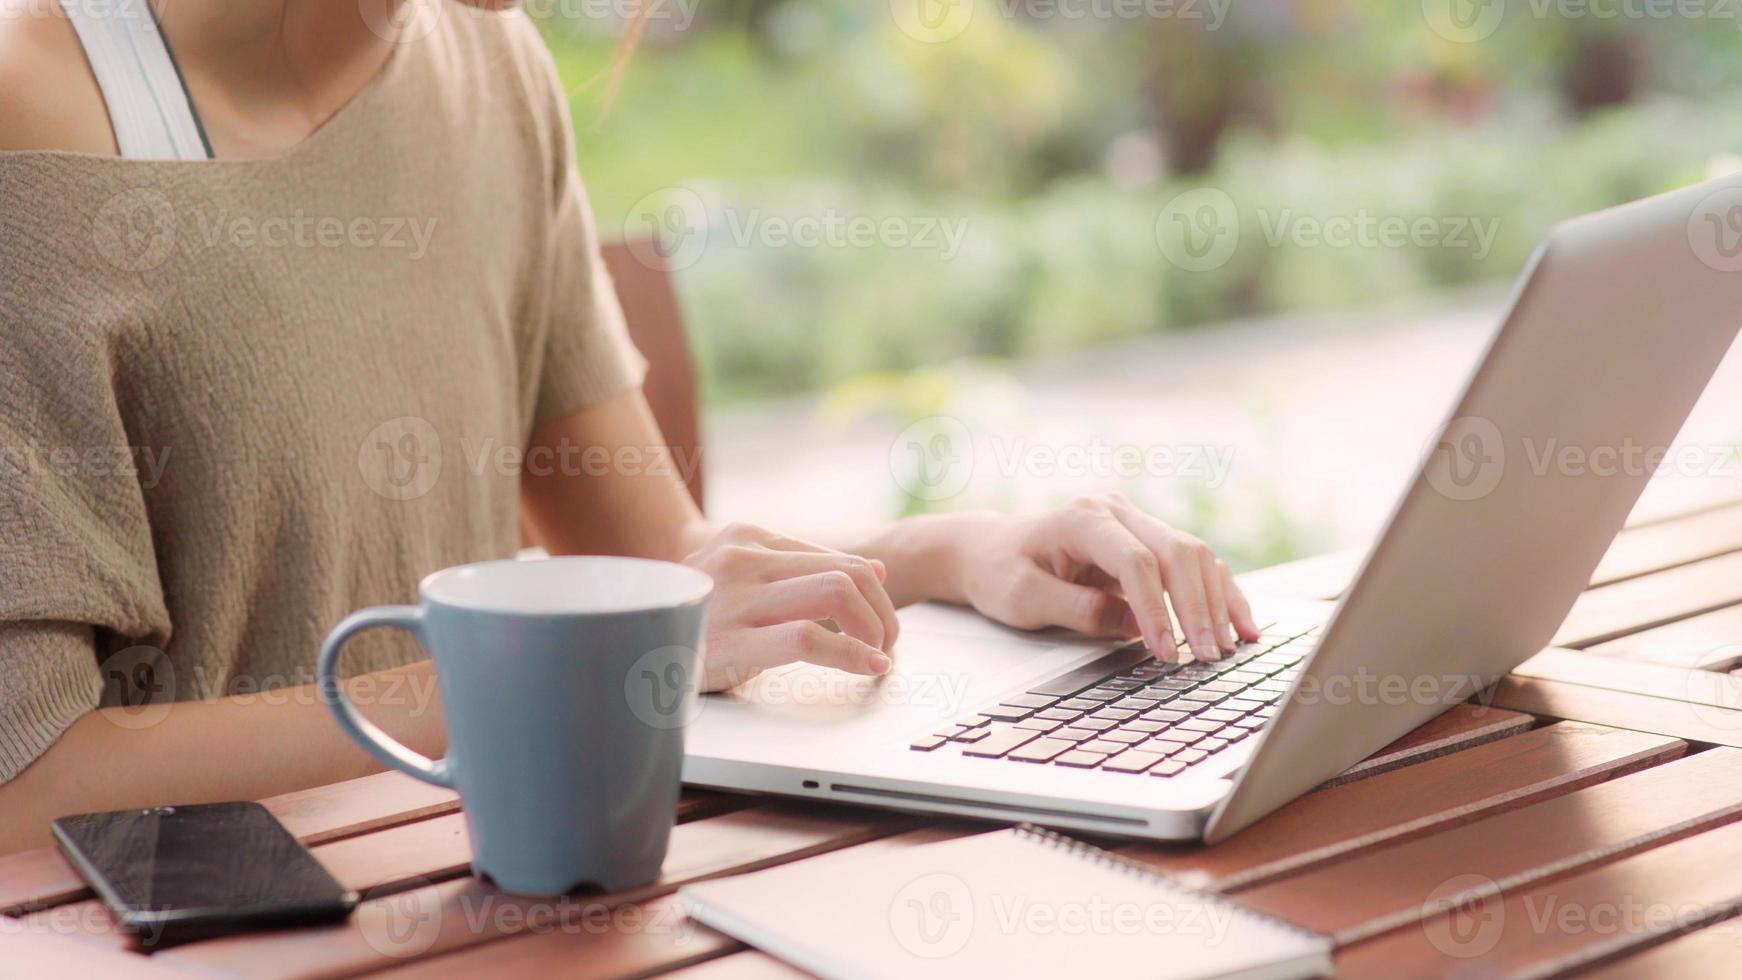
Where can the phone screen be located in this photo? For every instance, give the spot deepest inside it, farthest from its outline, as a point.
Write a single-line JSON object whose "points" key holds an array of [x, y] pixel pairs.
{"points": [[204, 866]]}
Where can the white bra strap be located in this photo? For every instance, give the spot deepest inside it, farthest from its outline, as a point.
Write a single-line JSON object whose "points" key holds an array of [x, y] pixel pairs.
{"points": [[148, 105]]}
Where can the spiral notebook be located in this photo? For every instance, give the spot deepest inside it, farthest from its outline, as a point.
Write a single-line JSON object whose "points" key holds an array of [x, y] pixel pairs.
{"points": [[1012, 903]]}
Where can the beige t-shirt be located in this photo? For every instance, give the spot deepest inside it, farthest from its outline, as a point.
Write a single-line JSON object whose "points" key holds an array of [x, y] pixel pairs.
{"points": [[241, 399]]}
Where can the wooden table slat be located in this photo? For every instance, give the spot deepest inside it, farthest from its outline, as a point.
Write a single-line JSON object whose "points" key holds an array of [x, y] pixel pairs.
{"points": [[1711, 641], [1373, 893], [1335, 823], [1621, 709], [41, 878], [1708, 952], [632, 940], [1657, 546], [1667, 544], [1697, 688], [1614, 611], [27, 952], [747, 965], [1458, 728], [563, 952], [389, 930], [1562, 926]]}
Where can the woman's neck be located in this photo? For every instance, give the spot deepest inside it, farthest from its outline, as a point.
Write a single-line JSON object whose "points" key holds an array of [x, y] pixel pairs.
{"points": [[264, 74]]}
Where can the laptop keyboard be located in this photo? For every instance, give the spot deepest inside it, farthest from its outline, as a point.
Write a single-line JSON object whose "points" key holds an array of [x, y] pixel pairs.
{"points": [[1128, 712]]}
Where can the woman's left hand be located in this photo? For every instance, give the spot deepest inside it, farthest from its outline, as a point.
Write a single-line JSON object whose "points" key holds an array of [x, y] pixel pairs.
{"points": [[1102, 567]]}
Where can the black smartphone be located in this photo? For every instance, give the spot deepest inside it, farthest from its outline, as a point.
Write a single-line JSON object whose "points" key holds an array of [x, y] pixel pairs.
{"points": [[175, 873]]}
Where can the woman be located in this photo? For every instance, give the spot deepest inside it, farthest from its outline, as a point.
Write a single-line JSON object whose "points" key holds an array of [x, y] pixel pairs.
{"points": [[268, 332]]}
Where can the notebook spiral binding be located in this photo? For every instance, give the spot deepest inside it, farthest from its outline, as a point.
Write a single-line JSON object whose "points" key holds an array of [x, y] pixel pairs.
{"points": [[1058, 841]]}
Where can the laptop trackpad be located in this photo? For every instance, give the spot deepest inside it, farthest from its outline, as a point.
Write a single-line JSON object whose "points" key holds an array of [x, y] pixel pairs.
{"points": [[945, 665]]}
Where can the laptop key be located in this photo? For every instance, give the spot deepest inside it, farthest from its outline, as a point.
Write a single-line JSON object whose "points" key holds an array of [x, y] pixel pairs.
{"points": [[1242, 704], [1178, 736], [1094, 724], [1250, 724], [1058, 714], [1073, 734], [1212, 744], [970, 735], [1168, 768], [1189, 756], [1077, 704], [1041, 750], [1138, 701], [1093, 672], [1135, 760], [927, 744], [1036, 725], [974, 721], [1029, 701], [1143, 725], [1006, 712], [1102, 694], [1001, 740], [1219, 714], [950, 732], [1199, 725], [1102, 746], [1078, 759], [1128, 738], [1167, 715], [1114, 714]]}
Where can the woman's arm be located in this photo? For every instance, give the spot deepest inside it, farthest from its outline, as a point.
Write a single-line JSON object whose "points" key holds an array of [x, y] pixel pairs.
{"points": [[1099, 565], [245, 747]]}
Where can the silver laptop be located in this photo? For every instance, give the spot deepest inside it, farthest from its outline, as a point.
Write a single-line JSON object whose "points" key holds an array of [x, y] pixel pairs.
{"points": [[1612, 332]]}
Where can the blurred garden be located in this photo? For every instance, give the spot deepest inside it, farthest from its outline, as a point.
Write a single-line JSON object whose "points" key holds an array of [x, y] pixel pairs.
{"points": [[849, 190]]}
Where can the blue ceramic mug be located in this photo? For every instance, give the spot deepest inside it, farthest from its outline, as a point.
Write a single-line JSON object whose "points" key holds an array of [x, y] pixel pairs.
{"points": [[565, 684]]}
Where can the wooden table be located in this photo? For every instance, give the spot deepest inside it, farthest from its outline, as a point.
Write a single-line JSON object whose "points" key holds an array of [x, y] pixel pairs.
{"points": [[1587, 816]]}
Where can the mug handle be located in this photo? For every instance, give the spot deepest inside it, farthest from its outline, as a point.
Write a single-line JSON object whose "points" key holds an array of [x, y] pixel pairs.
{"points": [[367, 734]]}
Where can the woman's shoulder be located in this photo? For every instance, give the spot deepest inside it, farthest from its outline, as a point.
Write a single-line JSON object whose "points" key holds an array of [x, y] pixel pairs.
{"points": [[509, 45], [49, 100]]}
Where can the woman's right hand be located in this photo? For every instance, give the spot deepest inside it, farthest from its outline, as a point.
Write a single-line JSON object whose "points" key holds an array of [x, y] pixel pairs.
{"points": [[771, 596]]}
